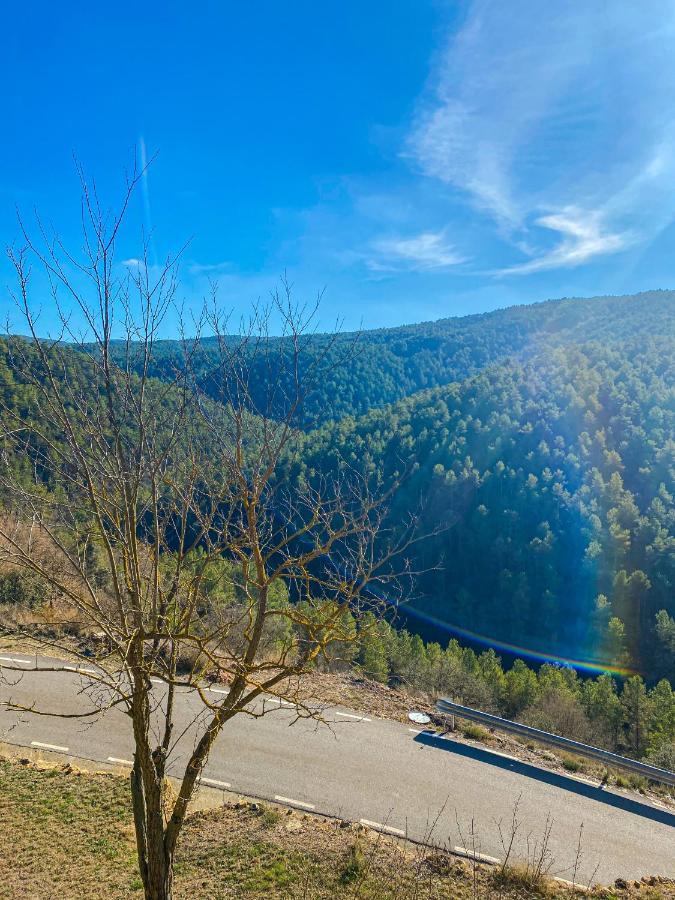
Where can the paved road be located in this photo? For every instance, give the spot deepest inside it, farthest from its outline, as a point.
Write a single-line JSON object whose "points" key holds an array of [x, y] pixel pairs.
{"points": [[375, 771]]}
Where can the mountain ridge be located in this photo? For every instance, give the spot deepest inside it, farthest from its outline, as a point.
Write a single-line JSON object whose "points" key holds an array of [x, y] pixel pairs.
{"points": [[385, 365]]}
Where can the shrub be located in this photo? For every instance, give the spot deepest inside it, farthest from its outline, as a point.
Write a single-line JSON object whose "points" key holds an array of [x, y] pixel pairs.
{"points": [[355, 865], [519, 878], [21, 587], [270, 816], [663, 756], [559, 714], [187, 660], [638, 783], [635, 782], [476, 733]]}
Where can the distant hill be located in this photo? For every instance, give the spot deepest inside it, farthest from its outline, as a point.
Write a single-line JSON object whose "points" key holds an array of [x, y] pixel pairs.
{"points": [[387, 365]]}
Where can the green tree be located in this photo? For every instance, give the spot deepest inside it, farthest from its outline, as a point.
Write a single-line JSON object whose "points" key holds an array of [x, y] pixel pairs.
{"points": [[665, 630], [616, 641], [434, 667], [418, 662], [372, 654], [662, 716], [603, 708], [23, 588], [492, 673], [521, 688], [636, 711]]}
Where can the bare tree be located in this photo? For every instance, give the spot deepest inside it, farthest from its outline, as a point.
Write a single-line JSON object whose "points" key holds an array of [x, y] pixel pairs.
{"points": [[135, 495]]}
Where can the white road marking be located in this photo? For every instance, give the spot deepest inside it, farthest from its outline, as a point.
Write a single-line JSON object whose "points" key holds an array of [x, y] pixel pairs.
{"points": [[218, 691], [415, 730], [472, 854], [121, 762], [378, 826], [583, 780], [352, 716], [503, 755], [214, 782], [49, 746], [281, 702], [156, 681], [292, 802], [14, 659], [75, 669]]}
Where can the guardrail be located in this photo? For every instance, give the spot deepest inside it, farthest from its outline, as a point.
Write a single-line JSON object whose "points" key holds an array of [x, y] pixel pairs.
{"points": [[654, 773]]}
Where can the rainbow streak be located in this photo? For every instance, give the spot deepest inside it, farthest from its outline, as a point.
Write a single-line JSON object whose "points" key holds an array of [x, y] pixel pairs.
{"points": [[582, 665]]}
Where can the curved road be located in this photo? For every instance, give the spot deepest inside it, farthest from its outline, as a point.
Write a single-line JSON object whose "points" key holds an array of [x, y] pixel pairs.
{"points": [[392, 777]]}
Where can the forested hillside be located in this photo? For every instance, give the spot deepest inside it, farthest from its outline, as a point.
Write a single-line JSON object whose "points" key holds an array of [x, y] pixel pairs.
{"points": [[553, 481], [541, 448], [362, 372]]}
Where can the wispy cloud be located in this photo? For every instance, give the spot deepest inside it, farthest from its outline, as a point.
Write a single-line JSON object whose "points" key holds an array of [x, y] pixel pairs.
{"points": [[583, 237], [209, 269], [420, 252], [556, 118]]}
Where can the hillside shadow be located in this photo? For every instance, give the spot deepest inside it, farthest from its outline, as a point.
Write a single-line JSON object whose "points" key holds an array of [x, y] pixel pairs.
{"points": [[556, 779]]}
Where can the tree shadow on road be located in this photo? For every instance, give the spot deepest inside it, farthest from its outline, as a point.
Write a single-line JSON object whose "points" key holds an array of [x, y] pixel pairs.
{"points": [[608, 797]]}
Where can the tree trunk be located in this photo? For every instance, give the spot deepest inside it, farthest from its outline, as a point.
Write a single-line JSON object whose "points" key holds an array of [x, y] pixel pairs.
{"points": [[155, 862], [138, 806], [159, 881]]}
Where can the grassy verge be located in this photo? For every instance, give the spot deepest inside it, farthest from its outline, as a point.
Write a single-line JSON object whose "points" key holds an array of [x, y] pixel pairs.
{"points": [[68, 834]]}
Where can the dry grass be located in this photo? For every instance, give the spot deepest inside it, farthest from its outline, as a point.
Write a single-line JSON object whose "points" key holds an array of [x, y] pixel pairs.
{"points": [[67, 834]]}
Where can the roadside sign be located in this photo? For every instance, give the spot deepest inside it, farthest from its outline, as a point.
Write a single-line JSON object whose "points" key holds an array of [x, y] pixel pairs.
{"points": [[419, 718]]}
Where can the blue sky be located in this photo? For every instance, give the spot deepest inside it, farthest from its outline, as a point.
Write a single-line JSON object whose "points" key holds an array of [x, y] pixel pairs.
{"points": [[415, 159]]}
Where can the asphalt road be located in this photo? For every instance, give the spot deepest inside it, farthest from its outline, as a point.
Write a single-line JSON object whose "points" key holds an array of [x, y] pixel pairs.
{"points": [[395, 778]]}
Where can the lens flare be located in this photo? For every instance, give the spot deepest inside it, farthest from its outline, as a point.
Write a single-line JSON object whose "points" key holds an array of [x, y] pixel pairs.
{"points": [[588, 666]]}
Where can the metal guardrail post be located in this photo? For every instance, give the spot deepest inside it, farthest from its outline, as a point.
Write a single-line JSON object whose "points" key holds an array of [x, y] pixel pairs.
{"points": [[654, 773]]}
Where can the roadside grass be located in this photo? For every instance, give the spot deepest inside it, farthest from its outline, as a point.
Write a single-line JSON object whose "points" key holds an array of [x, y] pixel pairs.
{"points": [[68, 834], [270, 815], [477, 733], [570, 764], [355, 866], [519, 877], [632, 782]]}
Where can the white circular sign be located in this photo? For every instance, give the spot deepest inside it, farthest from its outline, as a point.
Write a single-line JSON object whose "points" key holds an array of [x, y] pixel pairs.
{"points": [[419, 717]]}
